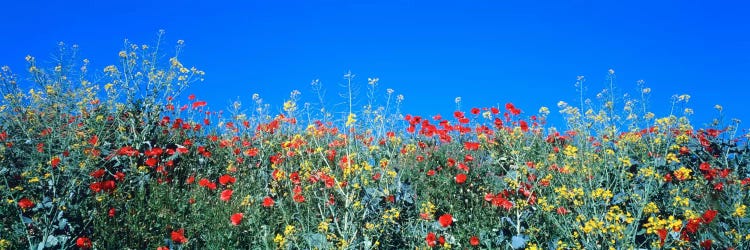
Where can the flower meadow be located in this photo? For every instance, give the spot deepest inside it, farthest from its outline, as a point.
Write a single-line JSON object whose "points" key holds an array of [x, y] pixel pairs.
{"points": [[125, 158]]}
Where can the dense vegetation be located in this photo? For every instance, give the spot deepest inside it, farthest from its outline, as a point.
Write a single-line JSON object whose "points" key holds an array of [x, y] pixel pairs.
{"points": [[119, 159]]}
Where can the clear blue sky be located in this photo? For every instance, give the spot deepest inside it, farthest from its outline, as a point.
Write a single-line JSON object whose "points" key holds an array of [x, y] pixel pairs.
{"points": [[487, 52]]}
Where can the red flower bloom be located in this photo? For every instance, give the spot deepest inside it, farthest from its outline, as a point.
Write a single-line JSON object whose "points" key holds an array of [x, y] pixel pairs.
{"points": [[474, 241], [445, 220], [55, 161], [562, 211], [431, 239], [25, 203], [112, 212], [178, 237], [706, 244], [83, 242], [203, 182], [119, 176], [430, 172], [98, 173], [475, 111], [226, 179], [236, 218], [298, 198], [500, 201], [460, 178], [268, 202], [708, 216], [662, 236], [199, 104], [471, 146], [162, 248], [226, 195]]}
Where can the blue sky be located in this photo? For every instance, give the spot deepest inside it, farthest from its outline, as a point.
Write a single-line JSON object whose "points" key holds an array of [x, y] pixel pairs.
{"points": [[487, 52]]}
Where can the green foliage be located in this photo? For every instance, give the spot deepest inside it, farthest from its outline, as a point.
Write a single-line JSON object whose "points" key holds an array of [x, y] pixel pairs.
{"points": [[133, 165]]}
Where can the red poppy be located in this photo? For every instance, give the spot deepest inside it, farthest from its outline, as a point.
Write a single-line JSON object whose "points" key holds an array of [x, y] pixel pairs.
{"points": [[474, 241], [431, 239], [474, 111], [226, 195], [25, 203], [460, 178], [112, 212], [203, 182], [83, 242], [268, 202], [500, 201], [709, 216], [445, 220], [55, 162], [562, 211], [692, 225], [706, 244], [430, 172], [162, 248], [662, 236], [494, 110], [226, 179], [294, 177], [236, 218], [178, 237], [299, 198], [199, 104], [524, 126], [98, 173], [119, 176], [151, 162], [471, 146]]}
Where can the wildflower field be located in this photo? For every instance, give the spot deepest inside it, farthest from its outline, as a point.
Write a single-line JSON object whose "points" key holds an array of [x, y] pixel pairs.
{"points": [[125, 158]]}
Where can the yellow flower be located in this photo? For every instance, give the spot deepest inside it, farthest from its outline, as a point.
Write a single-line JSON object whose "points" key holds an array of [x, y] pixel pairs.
{"points": [[570, 151], [671, 157], [323, 226], [288, 230], [681, 201], [739, 210], [683, 173], [651, 208], [351, 119]]}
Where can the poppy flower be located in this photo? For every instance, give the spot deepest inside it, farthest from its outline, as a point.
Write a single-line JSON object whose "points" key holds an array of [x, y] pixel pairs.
{"points": [[112, 212], [98, 173], [54, 162], [25, 203], [226, 195], [83, 242], [236, 218], [431, 239], [445, 220], [709, 216], [178, 237], [199, 104], [298, 198], [460, 178], [226, 179], [474, 241], [151, 162], [268, 202]]}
